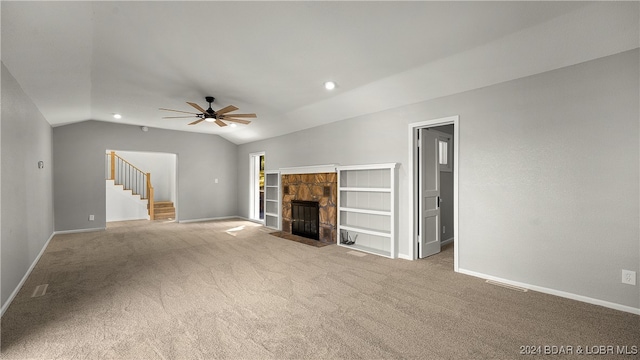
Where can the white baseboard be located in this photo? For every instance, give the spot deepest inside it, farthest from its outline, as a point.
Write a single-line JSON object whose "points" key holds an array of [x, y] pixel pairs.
{"points": [[445, 242], [78, 231], [210, 219], [404, 256], [554, 292], [15, 292]]}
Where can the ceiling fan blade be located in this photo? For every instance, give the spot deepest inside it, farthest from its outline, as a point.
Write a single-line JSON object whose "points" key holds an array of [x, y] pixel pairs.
{"points": [[179, 117], [196, 122], [220, 123], [241, 121], [241, 115], [226, 109], [197, 107], [180, 111]]}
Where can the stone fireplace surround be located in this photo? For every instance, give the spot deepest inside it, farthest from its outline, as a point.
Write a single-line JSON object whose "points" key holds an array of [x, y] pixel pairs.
{"points": [[321, 187]]}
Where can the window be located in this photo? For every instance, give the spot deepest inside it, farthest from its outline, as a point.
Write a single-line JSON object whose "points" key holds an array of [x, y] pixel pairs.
{"points": [[444, 151], [442, 148]]}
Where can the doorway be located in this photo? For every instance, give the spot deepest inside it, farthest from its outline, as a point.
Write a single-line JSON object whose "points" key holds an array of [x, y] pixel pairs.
{"points": [[256, 183], [130, 175], [433, 156]]}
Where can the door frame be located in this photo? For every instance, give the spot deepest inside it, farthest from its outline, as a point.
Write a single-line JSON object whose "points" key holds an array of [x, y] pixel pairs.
{"points": [[254, 197], [173, 188], [413, 182]]}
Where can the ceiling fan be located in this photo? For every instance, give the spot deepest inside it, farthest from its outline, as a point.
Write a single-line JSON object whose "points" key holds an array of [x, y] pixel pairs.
{"points": [[210, 115]]}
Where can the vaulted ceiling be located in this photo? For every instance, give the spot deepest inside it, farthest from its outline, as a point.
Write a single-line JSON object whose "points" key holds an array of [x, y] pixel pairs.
{"points": [[88, 60]]}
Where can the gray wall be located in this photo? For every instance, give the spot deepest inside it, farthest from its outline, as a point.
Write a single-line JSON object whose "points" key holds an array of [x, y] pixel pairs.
{"points": [[446, 209], [26, 191], [79, 182], [548, 173], [446, 189]]}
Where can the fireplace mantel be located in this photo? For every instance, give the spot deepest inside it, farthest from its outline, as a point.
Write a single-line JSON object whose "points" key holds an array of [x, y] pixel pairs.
{"points": [[311, 169]]}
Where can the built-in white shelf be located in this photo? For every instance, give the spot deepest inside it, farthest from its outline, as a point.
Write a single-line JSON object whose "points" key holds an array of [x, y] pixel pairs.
{"points": [[366, 211], [363, 230], [369, 250], [367, 208], [272, 200]]}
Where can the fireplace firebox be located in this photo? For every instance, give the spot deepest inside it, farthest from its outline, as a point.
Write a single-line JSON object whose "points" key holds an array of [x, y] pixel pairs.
{"points": [[305, 219]]}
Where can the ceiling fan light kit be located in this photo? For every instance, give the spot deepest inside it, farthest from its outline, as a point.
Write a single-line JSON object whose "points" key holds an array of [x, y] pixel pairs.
{"points": [[210, 115]]}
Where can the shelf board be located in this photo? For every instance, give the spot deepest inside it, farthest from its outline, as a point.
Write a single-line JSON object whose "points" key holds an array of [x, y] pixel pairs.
{"points": [[366, 211], [365, 189], [365, 230], [383, 166], [271, 214], [368, 250], [276, 200]]}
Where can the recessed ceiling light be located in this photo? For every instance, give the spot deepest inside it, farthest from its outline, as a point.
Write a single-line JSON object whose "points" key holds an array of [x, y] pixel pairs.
{"points": [[233, 125], [117, 116], [329, 85]]}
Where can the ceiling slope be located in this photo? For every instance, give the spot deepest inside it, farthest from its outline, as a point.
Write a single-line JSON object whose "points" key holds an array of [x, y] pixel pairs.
{"points": [[89, 60]]}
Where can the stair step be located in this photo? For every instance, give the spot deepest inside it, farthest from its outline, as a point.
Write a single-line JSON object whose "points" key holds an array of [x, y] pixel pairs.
{"points": [[164, 216], [126, 189], [164, 211], [157, 204]]}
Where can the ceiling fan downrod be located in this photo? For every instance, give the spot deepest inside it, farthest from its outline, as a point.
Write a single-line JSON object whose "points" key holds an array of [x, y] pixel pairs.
{"points": [[210, 111]]}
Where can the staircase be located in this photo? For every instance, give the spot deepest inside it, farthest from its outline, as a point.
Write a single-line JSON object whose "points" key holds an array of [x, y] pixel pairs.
{"points": [[164, 210], [123, 205], [138, 182]]}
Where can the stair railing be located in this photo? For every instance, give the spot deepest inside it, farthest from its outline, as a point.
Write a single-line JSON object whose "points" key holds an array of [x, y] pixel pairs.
{"points": [[131, 178]]}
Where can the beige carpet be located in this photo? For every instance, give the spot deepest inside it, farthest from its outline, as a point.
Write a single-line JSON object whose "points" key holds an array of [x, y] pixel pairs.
{"points": [[229, 290]]}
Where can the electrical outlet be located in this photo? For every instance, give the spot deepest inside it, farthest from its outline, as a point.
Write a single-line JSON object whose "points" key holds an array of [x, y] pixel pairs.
{"points": [[443, 229], [91, 218], [216, 180], [628, 277]]}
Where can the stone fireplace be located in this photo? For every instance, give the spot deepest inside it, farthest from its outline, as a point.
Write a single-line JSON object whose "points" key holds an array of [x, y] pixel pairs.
{"points": [[318, 187]]}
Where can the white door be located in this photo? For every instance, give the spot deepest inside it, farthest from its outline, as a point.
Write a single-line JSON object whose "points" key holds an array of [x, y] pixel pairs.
{"points": [[429, 194], [256, 190]]}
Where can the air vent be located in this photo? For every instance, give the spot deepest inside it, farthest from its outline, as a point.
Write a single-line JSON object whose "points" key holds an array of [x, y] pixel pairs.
{"points": [[507, 286], [40, 290]]}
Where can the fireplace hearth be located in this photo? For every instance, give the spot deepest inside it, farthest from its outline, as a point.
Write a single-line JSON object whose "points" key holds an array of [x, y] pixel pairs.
{"points": [[305, 219]]}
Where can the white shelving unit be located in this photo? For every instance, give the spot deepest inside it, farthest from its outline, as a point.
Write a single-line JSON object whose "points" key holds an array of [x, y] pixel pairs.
{"points": [[367, 208], [272, 200]]}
